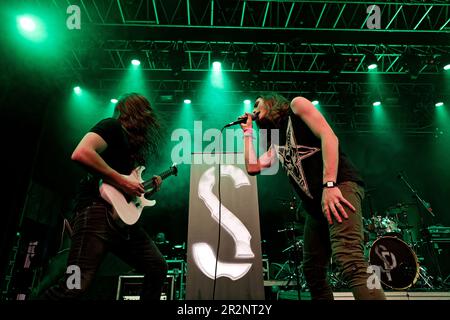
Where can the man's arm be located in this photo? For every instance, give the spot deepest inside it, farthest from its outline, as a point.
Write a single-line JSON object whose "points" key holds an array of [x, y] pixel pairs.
{"points": [[254, 165], [331, 197], [319, 126], [88, 152]]}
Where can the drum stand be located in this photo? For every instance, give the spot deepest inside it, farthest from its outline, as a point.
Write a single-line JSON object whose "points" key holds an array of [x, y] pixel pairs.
{"points": [[426, 206], [292, 265], [425, 277]]}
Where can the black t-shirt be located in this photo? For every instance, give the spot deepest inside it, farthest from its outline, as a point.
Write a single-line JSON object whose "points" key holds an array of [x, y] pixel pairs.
{"points": [[117, 155], [300, 154]]}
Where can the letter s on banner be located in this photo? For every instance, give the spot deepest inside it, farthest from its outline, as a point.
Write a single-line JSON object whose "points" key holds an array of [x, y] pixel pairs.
{"points": [[203, 254]]}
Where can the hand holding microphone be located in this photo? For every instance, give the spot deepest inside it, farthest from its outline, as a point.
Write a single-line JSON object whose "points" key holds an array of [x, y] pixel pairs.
{"points": [[245, 121]]}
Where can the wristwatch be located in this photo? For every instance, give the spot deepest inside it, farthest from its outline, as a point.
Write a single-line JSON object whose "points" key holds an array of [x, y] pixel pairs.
{"points": [[329, 184]]}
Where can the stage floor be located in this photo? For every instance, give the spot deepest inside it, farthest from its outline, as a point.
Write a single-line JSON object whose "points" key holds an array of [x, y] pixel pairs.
{"points": [[395, 295]]}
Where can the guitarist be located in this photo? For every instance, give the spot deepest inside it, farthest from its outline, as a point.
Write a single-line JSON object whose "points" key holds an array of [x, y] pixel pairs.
{"points": [[110, 151]]}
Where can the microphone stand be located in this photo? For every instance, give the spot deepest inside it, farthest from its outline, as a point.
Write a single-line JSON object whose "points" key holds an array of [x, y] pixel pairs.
{"points": [[425, 205]]}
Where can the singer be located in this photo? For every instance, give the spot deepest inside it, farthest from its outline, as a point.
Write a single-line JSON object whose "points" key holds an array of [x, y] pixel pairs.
{"points": [[329, 185]]}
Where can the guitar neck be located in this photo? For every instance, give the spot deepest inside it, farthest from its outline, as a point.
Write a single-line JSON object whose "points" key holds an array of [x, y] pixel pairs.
{"points": [[163, 175]]}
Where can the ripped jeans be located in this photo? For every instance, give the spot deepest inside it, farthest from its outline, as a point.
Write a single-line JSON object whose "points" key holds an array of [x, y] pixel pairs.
{"points": [[343, 242]]}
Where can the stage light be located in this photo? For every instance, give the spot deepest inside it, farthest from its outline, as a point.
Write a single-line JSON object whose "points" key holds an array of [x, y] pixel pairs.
{"points": [[445, 62], [315, 102], [247, 102], [176, 60], [371, 61], [27, 24], [412, 63], [135, 62], [334, 63], [31, 27], [255, 60], [113, 100], [439, 104], [77, 90], [376, 103], [187, 101], [217, 66], [216, 60]]}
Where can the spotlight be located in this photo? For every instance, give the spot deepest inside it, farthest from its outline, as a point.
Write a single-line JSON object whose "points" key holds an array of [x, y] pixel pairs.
{"points": [[371, 61], [376, 103], [31, 27], [216, 60], [187, 101], [315, 102], [77, 90], [27, 24], [247, 102], [334, 63], [135, 62], [255, 61], [217, 66], [445, 62], [176, 60], [113, 100], [439, 104], [412, 63]]}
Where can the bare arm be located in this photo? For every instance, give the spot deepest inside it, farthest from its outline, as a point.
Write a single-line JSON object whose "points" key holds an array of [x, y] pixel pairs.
{"points": [[322, 130], [332, 198], [87, 153], [254, 165]]}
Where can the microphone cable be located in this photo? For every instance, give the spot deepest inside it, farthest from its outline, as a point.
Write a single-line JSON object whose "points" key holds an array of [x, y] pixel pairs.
{"points": [[220, 215]]}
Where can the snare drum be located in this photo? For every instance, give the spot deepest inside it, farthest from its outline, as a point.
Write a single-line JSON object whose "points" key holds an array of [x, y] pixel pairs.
{"points": [[397, 262]]}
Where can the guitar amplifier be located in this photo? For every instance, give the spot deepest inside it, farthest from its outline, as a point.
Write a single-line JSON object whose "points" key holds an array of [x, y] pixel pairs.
{"points": [[130, 286]]}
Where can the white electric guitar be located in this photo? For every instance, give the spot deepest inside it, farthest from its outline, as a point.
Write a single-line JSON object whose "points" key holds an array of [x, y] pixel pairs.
{"points": [[127, 210]]}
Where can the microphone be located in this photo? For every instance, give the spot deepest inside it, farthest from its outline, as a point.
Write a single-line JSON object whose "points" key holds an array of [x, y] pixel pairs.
{"points": [[242, 119]]}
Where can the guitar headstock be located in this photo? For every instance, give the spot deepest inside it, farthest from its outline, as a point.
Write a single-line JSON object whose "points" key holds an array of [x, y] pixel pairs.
{"points": [[174, 169]]}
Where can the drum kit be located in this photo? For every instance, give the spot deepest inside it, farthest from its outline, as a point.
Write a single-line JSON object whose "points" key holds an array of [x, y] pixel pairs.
{"points": [[390, 246]]}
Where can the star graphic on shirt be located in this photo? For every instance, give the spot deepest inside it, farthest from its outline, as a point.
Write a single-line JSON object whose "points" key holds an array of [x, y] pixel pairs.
{"points": [[291, 156]]}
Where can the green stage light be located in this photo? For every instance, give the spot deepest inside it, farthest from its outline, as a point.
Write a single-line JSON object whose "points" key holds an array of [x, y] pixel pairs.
{"points": [[439, 104], [135, 62], [77, 90], [447, 67], [187, 101], [31, 27], [27, 24], [371, 61], [247, 101], [113, 100], [376, 103], [315, 102], [217, 66]]}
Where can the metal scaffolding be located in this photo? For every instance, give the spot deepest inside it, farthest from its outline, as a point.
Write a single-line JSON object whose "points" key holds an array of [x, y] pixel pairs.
{"points": [[286, 46]]}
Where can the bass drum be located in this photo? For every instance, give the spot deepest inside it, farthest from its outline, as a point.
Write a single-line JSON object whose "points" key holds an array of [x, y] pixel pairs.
{"points": [[397, 262]]}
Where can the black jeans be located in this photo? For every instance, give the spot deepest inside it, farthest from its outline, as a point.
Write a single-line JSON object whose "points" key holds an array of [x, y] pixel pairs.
{"points": [[94, 234], [344, 243]]}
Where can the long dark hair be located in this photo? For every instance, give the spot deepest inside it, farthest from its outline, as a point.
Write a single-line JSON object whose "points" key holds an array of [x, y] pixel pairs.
{"points": [[278, 106], [141, 125]]}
